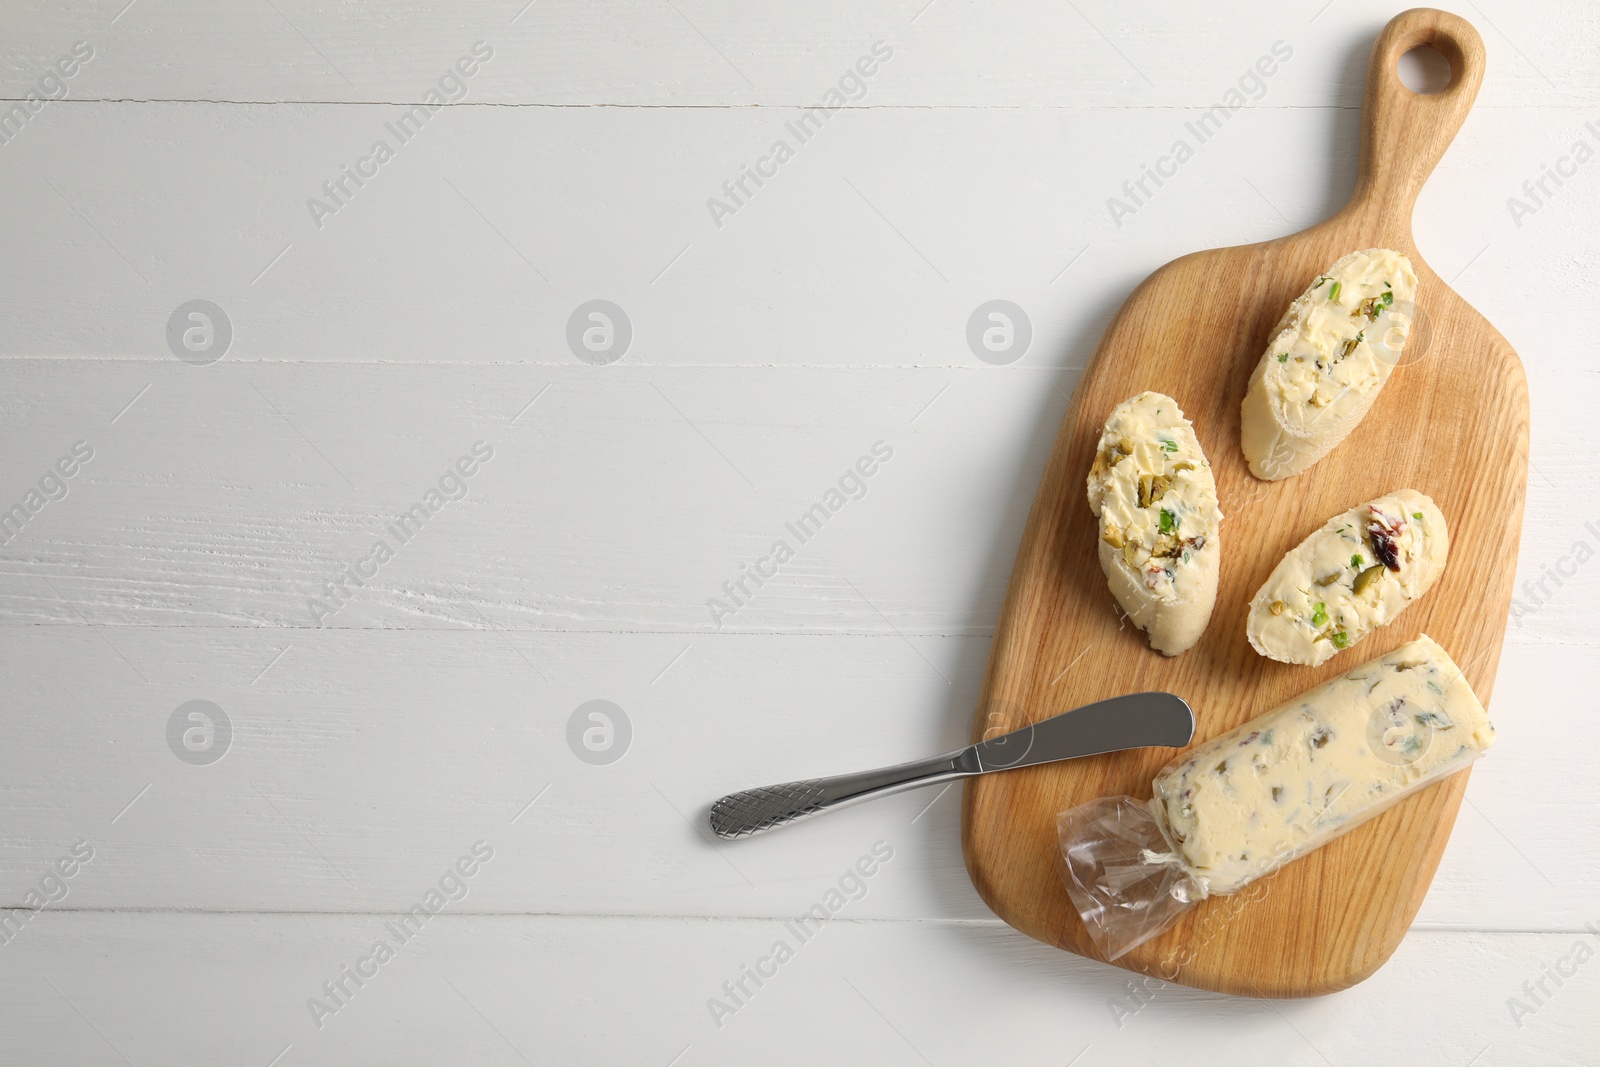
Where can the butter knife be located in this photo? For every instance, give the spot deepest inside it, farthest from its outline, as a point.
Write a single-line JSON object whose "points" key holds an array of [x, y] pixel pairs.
{"points": [[1134, 721]]}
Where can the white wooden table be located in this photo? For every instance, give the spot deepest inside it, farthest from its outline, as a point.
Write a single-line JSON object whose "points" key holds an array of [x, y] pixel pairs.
{"points": [[437, 295]]}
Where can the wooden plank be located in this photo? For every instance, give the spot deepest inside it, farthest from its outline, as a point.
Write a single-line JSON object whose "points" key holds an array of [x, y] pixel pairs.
{"points": [[718, 53], [229, 495], [219, 497], [1196, 330], [482, 237], [375, 751], [561, 989]]}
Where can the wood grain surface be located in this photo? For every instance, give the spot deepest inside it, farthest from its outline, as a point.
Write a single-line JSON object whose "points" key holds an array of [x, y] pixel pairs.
{"points": [[1452, 422], [831, 312]]}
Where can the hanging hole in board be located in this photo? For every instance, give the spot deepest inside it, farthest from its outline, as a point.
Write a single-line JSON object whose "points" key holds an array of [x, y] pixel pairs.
{"points": [[1424, 70]]}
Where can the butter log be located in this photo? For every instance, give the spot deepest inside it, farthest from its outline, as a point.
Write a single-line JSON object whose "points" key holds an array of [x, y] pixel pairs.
{"points": [[1242, 805], [1302, 774]]}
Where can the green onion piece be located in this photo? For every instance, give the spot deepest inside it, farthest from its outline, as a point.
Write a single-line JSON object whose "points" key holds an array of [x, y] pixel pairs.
{"points": [[1340, 639], [1283, 357], [1319, 613], [1169, 521], [1169, 446], [1333, 294], [1417, 515], [1357, 562]]}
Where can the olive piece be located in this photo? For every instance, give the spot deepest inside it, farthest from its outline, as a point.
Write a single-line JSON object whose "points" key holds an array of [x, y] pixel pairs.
{"points": [[1383, 547], [1367, 578], [1152, 487]]}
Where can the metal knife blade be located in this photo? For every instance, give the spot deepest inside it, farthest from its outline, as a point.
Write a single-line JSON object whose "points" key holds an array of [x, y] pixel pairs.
{"points": [[1132, 721]]}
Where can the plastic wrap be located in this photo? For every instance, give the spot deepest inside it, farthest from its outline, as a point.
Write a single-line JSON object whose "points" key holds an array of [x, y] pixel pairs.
{"points": [[1241, 806]]}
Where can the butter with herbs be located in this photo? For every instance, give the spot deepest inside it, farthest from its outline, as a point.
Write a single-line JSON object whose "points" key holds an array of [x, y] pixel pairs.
{"points": [[1360, 570], [1327, 360], [1250, 801], [1152, 489]]}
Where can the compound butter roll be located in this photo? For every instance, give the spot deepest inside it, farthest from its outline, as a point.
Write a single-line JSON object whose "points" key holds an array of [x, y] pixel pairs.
{"points": [[1244, 804]]}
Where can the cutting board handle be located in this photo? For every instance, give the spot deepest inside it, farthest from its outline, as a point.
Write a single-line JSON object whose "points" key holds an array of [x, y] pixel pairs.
{"points": [[1404, 134]]}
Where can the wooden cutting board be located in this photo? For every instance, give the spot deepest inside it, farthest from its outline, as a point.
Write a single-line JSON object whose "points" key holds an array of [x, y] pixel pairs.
{"points": [[1452, 422]]}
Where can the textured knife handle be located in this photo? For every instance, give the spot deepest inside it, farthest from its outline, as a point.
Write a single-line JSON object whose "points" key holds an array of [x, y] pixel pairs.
{"points": [[755, 810]]}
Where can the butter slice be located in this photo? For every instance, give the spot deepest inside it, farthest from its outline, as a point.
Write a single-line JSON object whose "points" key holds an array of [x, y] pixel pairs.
{"points": [[1309, 609], [1154, 493], [1326, 362], [1250, 801]]}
